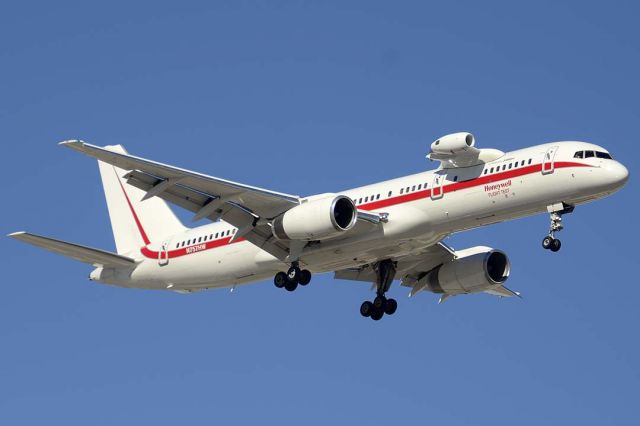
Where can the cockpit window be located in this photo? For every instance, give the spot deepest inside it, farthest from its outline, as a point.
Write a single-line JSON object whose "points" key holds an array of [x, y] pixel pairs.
{"points": [[603, 155], [579, 154], [588, 154]]}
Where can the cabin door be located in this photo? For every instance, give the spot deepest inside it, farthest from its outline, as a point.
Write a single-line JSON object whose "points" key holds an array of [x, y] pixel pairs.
{"points": [[548, 165]]}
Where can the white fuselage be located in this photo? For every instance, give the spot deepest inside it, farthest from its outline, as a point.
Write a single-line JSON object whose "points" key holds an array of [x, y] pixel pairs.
{"points": [[422, 209]]}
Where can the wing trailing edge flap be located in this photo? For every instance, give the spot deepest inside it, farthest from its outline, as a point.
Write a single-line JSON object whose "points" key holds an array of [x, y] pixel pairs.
{"points": [[215, 207], [77, 252], [409, 269]]}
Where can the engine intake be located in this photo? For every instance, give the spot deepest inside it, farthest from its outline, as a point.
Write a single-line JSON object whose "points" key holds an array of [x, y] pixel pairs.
{"points": [[476, 269], [456, 142], [317, 219]]}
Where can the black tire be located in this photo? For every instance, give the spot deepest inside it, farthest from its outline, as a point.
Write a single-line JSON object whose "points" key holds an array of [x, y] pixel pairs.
{"points": [[366, 309], [390, 307], [547, 242], [280, 279], [377, 314], [555, 246], [379, 302], [305, 277], [291, 285], [293, 274]]}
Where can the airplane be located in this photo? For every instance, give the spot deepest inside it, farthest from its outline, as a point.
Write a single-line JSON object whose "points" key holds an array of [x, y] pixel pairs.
{"points": [[376, 233]]}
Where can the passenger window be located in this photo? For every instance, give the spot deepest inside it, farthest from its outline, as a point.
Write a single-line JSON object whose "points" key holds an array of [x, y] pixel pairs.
{"points": [[485, 172], [419, 187], [579, 154], [455, 178], [522, 163], [216, 235], [529, 161], [509, 166], [390, 193], [588, 154], [378, 197], [360, 201], [366, 199], [492, 170], [603, 155], [504, 167], [407, 189], [401, 190], [228, 232], [413, 188]]}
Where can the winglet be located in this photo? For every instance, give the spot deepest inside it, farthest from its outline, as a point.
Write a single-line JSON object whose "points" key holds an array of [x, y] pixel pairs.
{"points": [[74, 144]]}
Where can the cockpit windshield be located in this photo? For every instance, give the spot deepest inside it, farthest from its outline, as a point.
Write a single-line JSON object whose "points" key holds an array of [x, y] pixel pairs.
{"points": [[590, 154]]}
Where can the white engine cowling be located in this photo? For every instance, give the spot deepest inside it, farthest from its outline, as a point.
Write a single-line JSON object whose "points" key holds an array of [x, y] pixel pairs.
{"points": [[317, 219], [456, 142], [476, 269]]}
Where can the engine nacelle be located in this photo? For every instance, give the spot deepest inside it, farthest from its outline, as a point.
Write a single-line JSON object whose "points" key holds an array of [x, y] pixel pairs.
{"points": [[317, 219], [476, 269], [456, 142]]}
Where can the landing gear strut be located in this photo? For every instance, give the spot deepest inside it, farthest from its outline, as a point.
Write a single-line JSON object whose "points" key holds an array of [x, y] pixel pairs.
{"points": [[385, 272], [294, 276], [550, 242]]}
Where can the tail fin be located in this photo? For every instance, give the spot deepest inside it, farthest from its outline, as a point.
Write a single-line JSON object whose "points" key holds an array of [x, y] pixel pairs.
{"points": [[135, 223]]}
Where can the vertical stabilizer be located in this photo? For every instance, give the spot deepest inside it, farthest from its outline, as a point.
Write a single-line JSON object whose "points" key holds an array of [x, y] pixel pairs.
{"points": [[135, 223]]}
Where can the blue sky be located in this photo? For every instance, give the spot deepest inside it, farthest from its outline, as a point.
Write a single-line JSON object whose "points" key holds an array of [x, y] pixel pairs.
{"points": [[305, 98]]}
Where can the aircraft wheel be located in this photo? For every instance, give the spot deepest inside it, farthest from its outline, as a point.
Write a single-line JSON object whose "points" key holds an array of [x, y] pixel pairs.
{"points": [[290, 285], [547, 242], [294, 274], [377, 314], [280, 279], [366, 309], [379, 302], [555, 246], [390, 306], [305, 277]]}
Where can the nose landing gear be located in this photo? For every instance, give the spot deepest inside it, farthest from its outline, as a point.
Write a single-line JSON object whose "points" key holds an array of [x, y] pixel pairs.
{"points": [[550, 242], [294, 276], [385, 273]]}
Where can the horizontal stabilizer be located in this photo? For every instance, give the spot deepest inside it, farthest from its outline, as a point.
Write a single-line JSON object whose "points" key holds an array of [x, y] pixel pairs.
{"points": [[84, 254]]}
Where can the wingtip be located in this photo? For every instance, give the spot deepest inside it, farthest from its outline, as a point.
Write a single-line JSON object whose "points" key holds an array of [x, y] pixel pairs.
{"points": [[72, 143], [16, 234]]}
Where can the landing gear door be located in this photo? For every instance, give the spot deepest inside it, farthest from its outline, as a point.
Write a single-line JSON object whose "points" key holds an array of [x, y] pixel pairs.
{"points": [[548, 164], [436, 187], [163, 254]]}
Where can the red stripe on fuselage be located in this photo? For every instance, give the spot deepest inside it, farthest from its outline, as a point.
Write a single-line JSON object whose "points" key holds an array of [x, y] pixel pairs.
{"points": [[452, 187], [192, 249]]}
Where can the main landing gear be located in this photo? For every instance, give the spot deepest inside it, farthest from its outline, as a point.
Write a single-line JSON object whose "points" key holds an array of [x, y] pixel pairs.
{"points": [[292, 278], [550, 242], [385, 272]]}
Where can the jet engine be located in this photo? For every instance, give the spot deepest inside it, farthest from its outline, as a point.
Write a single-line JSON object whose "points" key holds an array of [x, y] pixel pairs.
{"points": [[322, 217], [450, 144], [474, 270]]}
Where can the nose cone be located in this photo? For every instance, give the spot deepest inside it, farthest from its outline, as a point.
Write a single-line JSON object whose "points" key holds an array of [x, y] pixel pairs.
{"points": [[617, 174]]}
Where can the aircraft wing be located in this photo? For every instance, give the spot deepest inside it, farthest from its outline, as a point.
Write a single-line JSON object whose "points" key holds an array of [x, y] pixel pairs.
{"points": [[182, 182], [246, 207], [84, 254], [409, 268]]}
